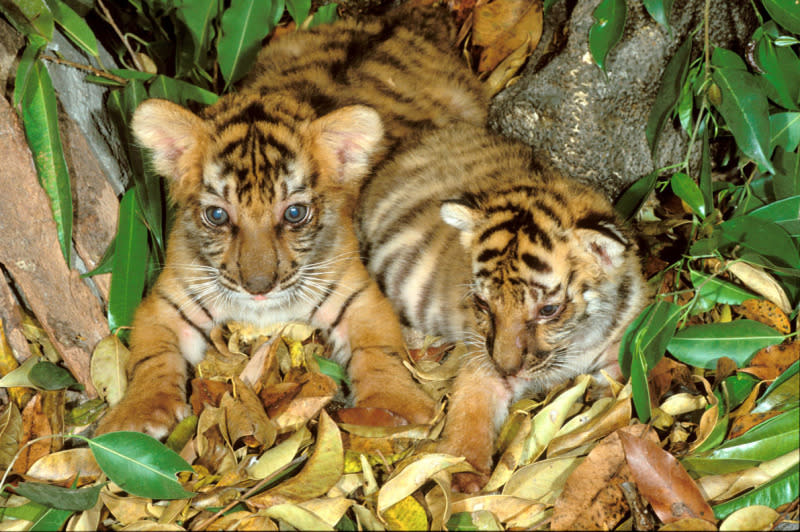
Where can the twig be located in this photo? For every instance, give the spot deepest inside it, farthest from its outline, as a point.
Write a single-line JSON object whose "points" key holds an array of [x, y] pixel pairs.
{"points": [[87, 68], [123, 38]]}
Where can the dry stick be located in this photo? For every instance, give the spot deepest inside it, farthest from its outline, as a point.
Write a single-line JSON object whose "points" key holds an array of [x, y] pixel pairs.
{"points": [[263, 482], [121, 35], [88, 68]]}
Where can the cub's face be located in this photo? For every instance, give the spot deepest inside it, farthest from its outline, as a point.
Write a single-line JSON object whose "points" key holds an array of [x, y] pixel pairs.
{"points": [[551, 273], [262, 189]]}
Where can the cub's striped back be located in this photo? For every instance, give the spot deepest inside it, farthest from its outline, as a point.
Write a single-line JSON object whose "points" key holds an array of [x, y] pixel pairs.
{"points": [[470, 240]]}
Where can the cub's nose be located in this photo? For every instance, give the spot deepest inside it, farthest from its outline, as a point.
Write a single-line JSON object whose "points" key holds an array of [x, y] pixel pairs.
{"points": [[258, 284]]}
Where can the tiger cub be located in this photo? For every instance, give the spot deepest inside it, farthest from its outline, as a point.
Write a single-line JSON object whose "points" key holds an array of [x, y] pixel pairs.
{"points": [[471, 241], [265, 183]]}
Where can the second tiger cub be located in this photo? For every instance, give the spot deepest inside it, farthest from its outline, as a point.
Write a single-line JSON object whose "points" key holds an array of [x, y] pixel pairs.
{"points": [[542, 285]]}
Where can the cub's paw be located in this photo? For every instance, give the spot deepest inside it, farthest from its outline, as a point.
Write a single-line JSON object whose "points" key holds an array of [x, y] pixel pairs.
{"points": [[155, 415], [479, 457], [410, 402]]}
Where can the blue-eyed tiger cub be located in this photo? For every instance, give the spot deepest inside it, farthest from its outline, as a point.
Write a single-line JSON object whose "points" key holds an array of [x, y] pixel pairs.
{"points": [[265, 183]]}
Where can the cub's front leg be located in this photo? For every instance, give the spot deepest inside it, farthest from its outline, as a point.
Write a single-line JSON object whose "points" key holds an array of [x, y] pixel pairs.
{"points": [[157, 370], [478, 404], [376, 369]]}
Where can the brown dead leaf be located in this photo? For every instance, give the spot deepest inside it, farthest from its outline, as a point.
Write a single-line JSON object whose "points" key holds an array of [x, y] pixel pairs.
{"points": [[126, 510], [591, 497], [689, 524], [668, 375], [371, 417], [109, 360], [262, 369], [35, 423], [64, 466], [773, 360], [245, 418], [663, 481], [746, 422], [502, 26], [766, 312], [317, 391], [207, 392], [760, 282], [277, 397]]}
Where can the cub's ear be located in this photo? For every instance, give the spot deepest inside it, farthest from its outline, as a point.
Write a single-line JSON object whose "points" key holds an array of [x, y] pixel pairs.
{"points": [[604, 239], [168, 130], [349, 138], [461, 214]]}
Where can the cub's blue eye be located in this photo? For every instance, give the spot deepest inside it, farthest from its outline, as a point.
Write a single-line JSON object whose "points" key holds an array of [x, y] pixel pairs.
{"points": [[296, 213], [216, 216]]}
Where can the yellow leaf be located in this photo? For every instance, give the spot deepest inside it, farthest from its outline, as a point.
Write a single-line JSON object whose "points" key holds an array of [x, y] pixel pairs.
{"points": [[320, 474], [297, 516], [509, 461], [280, 455], [411, 477], [407, 514], [542, 481], [504, 507], [8, 363], [65, 465], [109, 360], [10, 434], [750, 518], [549, 420]]}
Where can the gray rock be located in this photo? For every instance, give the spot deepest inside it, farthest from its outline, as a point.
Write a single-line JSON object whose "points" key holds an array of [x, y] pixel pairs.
{"points": [[591, 125], [85, 104]]}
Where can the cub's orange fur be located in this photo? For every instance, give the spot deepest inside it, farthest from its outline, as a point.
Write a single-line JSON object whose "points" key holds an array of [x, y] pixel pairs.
{"points": [[265, 183]]}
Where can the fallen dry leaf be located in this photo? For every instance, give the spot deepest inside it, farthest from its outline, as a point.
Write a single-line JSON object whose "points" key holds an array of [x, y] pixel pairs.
{"points": [[750, 518], [760, 282], [502, 26], [320, 473], [773, 360], [746, 422], [766, 312], [35, 423], [591, 497], [207, 392], [663, 481], [412, 476], [109, 360], [10, 434], [371, 417], [616, 417], [245, 418], [65, 466]]}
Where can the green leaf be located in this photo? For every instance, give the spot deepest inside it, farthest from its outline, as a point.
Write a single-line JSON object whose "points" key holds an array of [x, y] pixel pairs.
{"points": [[30, 511], [786, 182], [199, 15], [29, 17], [180, 91], [51, 519], [659, 10], [785, 13], [784, 130], [762, 237], [640, 389], [606, 32], [40, 118], [140, 464], [716, 290], [672, 83], [128, 271], [74, 26], [785, 212], [629, 203], [649, 334], [325, 15], [702, 345], [767, 440], [60, 498], [244, 25], [781, 70], [739, 387], [299, 10], [132, 74], [49, 376], [744, 107], [26, 66], [333, 370], [782, 393], [780, 490], [106, 261], [686, 189]]}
